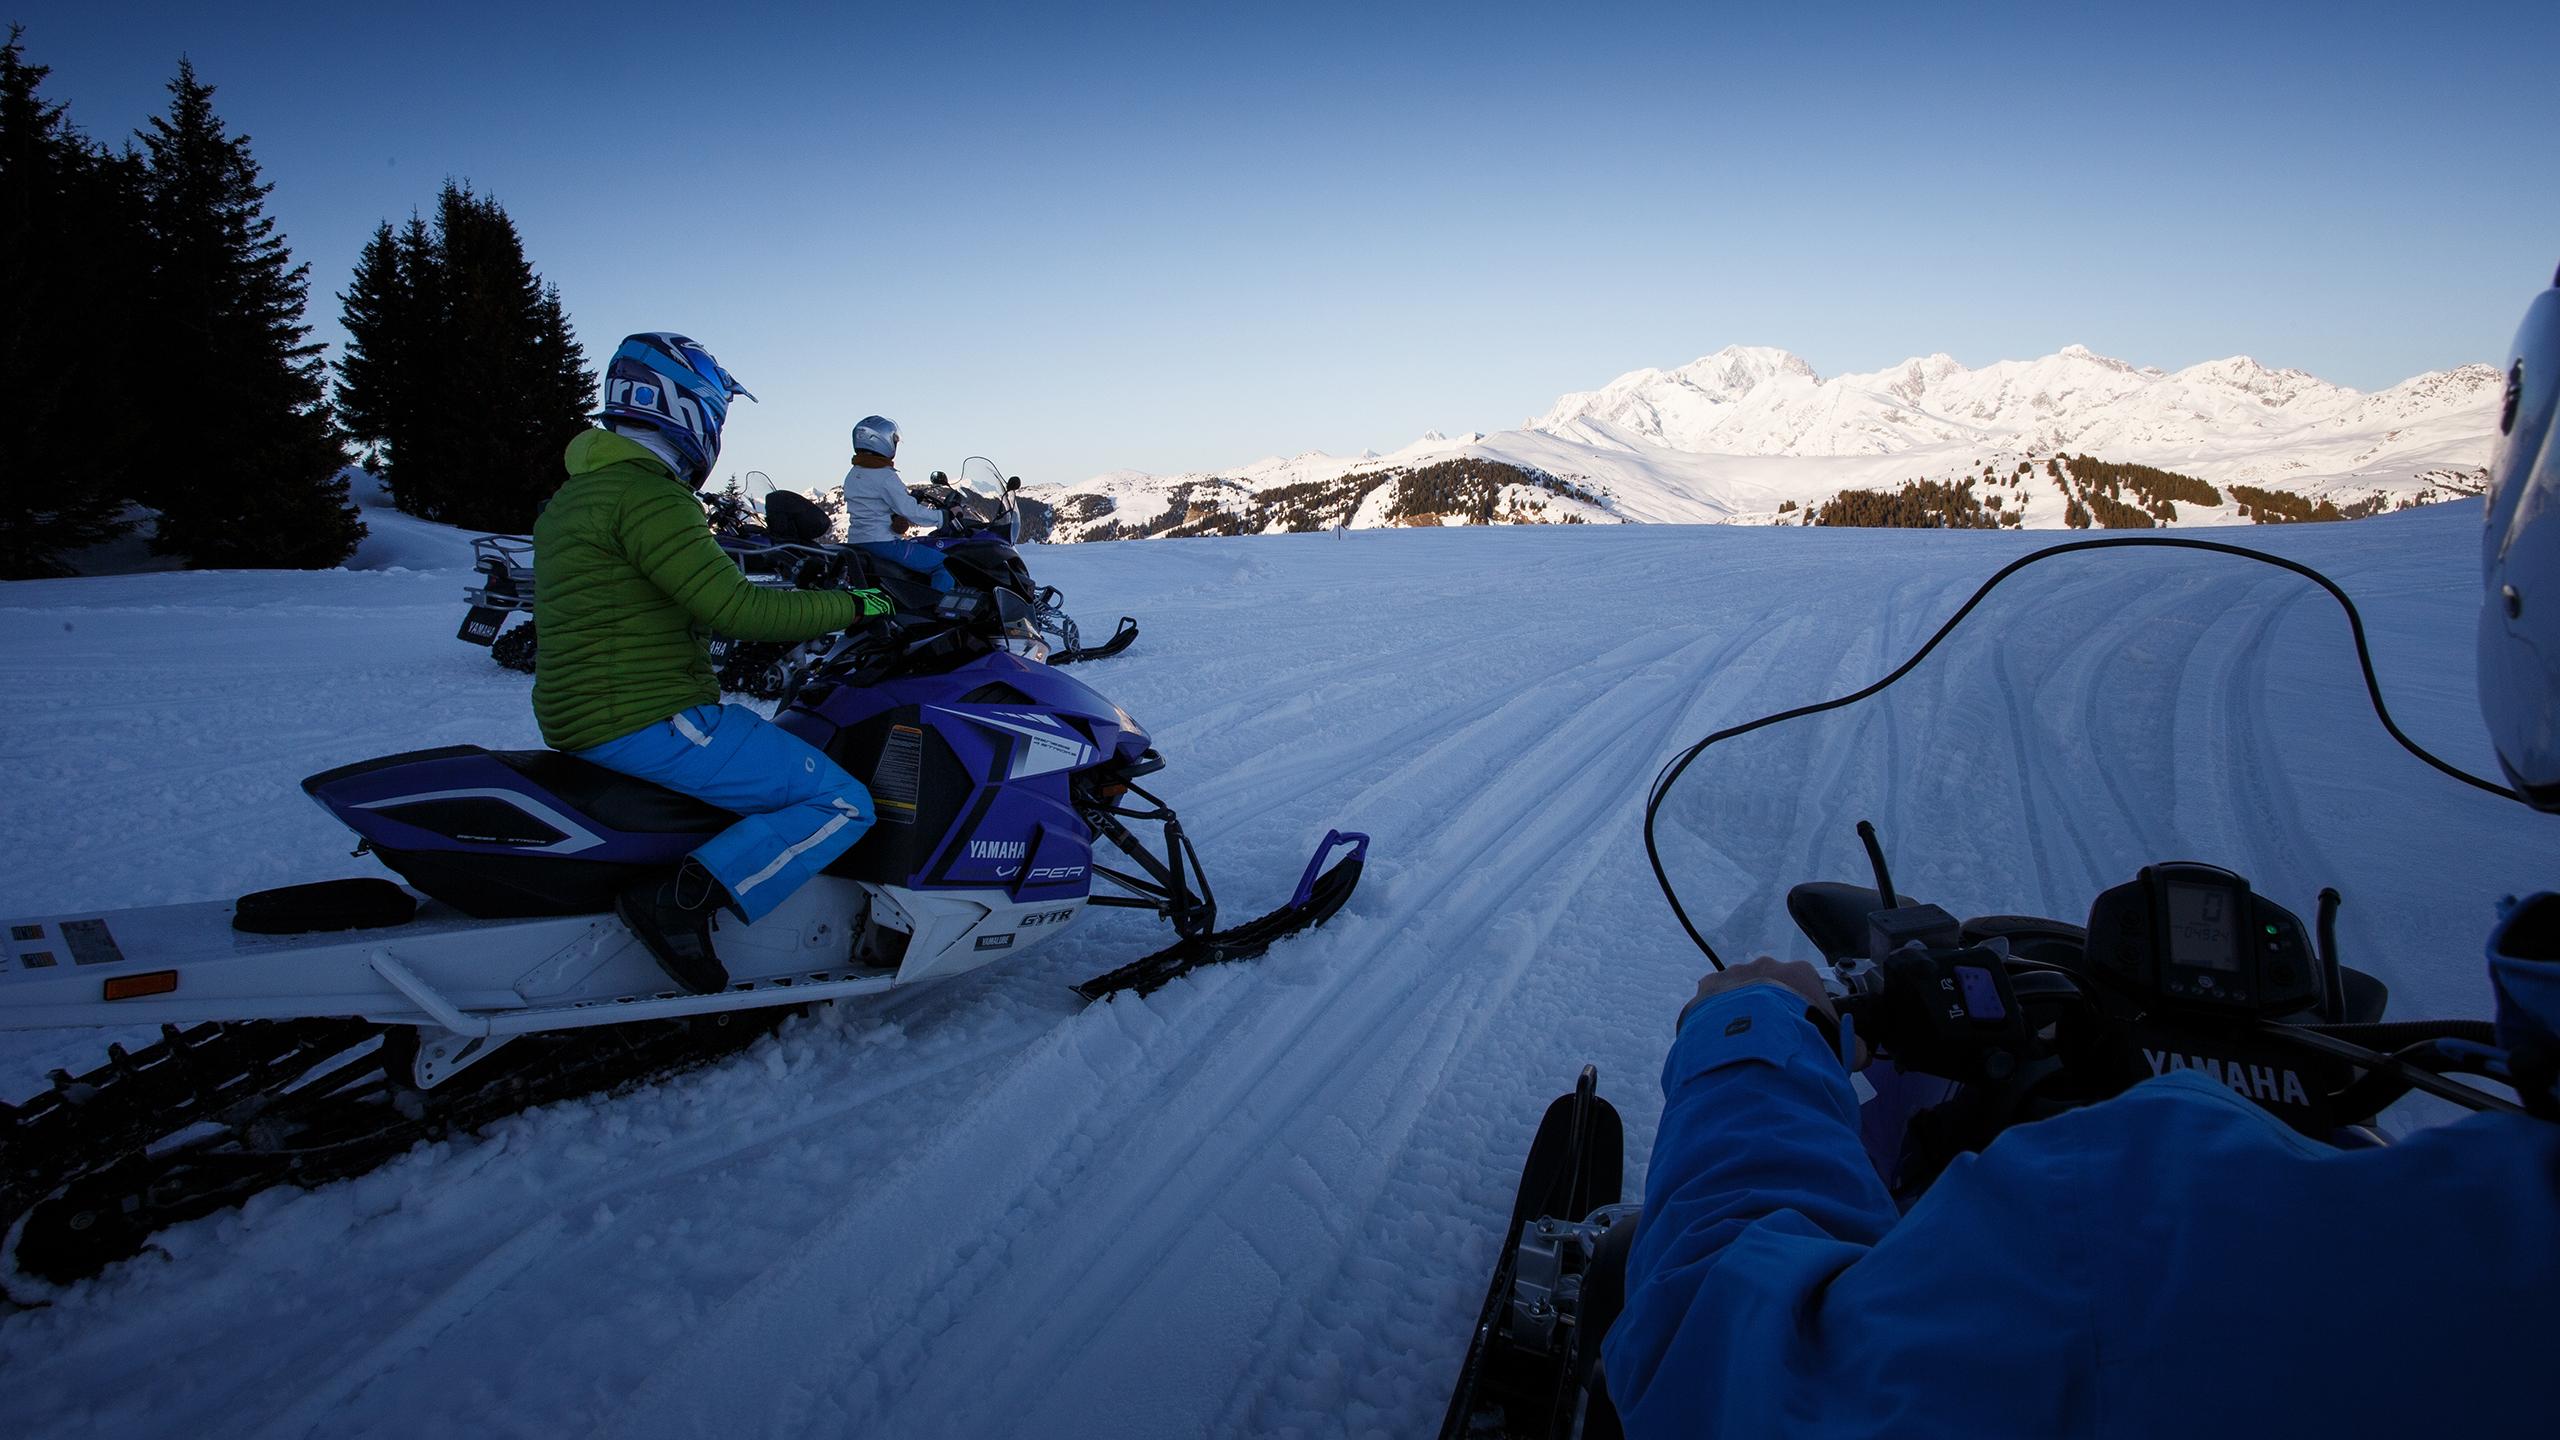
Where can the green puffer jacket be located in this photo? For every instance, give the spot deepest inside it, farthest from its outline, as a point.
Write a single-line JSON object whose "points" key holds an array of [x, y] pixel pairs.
{"points": [[627, 579]]}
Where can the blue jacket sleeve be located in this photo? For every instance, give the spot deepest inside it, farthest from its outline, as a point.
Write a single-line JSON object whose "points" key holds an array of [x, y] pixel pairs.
{"points": [[1758, 1194], [2173, 1261]]}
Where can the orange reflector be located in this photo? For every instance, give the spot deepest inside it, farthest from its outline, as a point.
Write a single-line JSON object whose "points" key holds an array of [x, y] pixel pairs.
{"points": [[129, 987]]}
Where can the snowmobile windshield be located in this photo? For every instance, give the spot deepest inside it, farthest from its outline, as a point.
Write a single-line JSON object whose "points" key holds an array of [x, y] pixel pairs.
{"points": [[2101, 711], [979, 476], [1021, 631]]}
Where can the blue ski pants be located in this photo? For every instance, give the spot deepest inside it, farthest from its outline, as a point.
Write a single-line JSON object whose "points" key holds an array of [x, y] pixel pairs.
{"points": [[922, 558], [798, 810]]}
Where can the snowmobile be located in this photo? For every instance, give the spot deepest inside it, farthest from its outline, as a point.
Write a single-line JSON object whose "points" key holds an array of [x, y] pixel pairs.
{"points": [[311, 1032], [1978, 1023], [777, 537], [773, 535], [983, 511]]}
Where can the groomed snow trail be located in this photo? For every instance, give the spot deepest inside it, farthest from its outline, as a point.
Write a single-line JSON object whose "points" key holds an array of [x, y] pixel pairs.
{"points": [[1260, 1201]]}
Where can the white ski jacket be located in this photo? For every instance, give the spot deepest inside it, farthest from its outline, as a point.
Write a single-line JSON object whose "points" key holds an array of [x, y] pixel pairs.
{"points": [[871, 497]]}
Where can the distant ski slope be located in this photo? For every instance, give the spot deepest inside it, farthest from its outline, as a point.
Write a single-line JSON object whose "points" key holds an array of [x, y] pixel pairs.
{"points": [[1260, 1201]]}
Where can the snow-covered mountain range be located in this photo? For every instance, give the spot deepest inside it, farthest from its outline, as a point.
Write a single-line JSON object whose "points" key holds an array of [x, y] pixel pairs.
{"points": [[1752, 434]]}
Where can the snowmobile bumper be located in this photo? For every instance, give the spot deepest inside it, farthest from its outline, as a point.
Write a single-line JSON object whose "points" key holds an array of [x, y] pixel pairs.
{"points": [[504, 564]]}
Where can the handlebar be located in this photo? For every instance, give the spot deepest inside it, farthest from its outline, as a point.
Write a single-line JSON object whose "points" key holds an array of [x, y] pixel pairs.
{"points": [[1979, 1015]]}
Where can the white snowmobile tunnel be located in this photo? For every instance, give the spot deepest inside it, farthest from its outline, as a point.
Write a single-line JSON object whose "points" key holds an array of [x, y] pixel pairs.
{"points": [[184, 964]]}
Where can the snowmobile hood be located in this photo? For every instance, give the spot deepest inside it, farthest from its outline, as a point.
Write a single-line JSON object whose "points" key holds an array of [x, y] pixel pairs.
{"points": [[998, 679]]}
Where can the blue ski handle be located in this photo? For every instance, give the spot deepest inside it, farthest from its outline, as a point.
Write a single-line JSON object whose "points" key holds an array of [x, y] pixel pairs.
{"points": [[1333, 840]]}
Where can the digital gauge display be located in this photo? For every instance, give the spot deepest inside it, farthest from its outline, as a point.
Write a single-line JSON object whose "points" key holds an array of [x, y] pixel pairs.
{"points": [[2204, 930]]}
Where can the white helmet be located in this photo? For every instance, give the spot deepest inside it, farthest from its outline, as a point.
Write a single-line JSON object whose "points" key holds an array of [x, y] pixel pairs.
{"points": [[876, 435], [2520, 563]]}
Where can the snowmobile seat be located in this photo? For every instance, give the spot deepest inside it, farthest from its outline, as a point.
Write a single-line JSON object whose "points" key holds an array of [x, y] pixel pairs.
{"points": [[614, 800], [794, 519], [458, 794]]}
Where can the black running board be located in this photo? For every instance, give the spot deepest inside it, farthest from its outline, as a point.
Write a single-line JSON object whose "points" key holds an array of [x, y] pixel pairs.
{"points": [[1119, 641], [1318, 897]]}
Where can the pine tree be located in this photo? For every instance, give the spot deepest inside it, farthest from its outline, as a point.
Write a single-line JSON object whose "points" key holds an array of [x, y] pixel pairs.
{"points": [[244, 456], [461, 364], [425, 486], [382, 330], [69, 267]]}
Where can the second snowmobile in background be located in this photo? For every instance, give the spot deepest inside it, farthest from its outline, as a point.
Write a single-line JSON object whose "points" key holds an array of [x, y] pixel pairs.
{"points": [[778, 537], [985, 509], [774, 536]]}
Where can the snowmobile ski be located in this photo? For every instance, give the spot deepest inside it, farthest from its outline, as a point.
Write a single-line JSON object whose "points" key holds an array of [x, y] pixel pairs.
{"points": [[1120, 640], [1521, 1378], [1321, 891]]}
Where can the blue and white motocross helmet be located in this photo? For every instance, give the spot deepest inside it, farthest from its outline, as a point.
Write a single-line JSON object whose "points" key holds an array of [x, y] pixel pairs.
{"points": [[671, 384], [2520, 563]]}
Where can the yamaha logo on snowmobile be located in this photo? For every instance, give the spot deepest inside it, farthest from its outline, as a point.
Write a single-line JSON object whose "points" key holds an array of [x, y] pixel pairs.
{"points": [[2266, 1084], [1000, 941], [999, 849]]}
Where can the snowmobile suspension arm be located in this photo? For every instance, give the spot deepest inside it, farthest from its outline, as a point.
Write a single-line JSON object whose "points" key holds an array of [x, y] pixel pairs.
{"points": [[1171, 892]]}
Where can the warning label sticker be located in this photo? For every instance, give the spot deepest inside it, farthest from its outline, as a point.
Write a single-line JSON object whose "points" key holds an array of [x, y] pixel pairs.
{"points": [[89, 943], [894, 784]]}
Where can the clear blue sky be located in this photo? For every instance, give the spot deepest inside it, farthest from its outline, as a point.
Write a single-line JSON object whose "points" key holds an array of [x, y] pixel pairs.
{"points": [[1187, 236]]}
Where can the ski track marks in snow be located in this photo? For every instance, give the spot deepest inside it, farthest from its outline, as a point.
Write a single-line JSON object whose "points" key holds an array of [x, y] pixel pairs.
{"points": [[1262, 1094], [1262, 1200]]}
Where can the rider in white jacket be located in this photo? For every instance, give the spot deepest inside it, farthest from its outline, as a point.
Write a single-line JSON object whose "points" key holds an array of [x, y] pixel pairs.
{"points": [[873, 495]]}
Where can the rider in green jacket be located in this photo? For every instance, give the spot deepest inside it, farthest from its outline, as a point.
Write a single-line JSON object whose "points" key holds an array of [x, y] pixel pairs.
{"points": [[627, 581]]}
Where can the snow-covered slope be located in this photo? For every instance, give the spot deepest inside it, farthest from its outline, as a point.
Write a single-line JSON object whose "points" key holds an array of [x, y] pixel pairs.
{"points": [[1741, 433], [393, 541], [1261, 1201]]}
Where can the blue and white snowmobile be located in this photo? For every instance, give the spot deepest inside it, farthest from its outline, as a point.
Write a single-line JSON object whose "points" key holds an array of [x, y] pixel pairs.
{"points": [[311, 1032]]}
